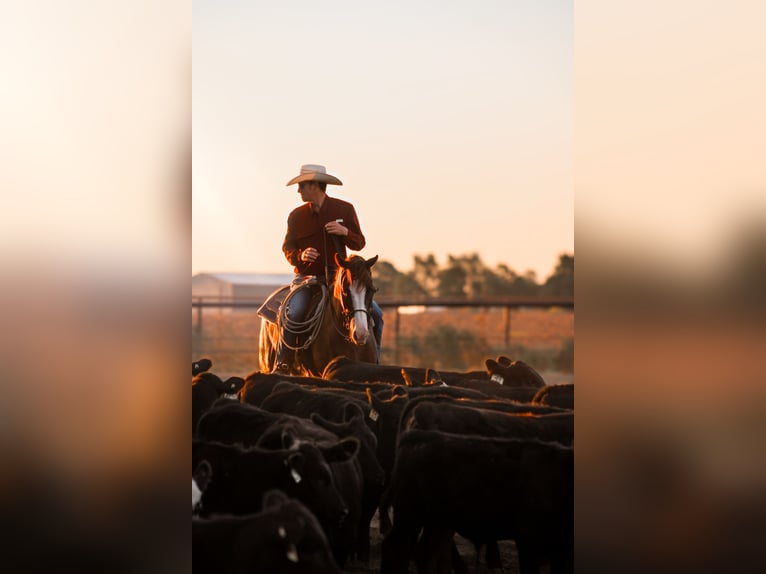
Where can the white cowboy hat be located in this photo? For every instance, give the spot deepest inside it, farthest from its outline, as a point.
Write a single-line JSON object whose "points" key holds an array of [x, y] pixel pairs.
{"points": [[311, 172]]}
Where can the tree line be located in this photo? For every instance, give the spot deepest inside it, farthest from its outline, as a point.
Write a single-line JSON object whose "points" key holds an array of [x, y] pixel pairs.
{"points": [[467, 277]]}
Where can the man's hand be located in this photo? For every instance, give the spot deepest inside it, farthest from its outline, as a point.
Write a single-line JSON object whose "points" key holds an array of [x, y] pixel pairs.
{"points": [[336, 228], [309, 255]]}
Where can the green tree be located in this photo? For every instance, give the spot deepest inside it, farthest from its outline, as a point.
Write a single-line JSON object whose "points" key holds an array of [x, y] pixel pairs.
{"points": [[452, 280], [561, 282], [496, 283], [474, 275], [519, 285], [425, 272], [390, 282]]}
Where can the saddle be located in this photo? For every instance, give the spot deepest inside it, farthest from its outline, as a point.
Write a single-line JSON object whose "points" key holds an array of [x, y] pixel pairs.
{"points": [[270, 308]]}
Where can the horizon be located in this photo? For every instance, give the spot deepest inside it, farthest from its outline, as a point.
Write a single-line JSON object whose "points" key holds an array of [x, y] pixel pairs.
{"points": [[441, 263]]}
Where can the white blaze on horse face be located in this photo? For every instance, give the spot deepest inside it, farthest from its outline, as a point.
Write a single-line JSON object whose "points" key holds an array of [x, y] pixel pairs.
{"points": [[359, 330]]}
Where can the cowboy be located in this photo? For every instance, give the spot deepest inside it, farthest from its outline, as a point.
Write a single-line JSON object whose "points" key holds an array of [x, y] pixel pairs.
{"points": [[316, 231]]}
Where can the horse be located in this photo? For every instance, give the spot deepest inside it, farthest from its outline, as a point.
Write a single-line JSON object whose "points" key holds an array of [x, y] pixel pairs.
{"points": [[341, 323]]}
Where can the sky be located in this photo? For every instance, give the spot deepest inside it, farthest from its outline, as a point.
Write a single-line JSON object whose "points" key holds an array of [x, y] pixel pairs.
{"points": [[449, 123]]}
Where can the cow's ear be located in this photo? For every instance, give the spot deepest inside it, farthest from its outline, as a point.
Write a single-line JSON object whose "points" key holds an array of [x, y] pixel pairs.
{"points": [[398, 391], [371, 398], [371, 261], [491, 365], [202, 475], [505, 361], [274, 498], [234, 384], [342, 451], [432, 376], [352, 411]]}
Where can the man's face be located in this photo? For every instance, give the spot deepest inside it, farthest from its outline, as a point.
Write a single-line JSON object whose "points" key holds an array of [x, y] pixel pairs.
{"points": [[309, 190]]}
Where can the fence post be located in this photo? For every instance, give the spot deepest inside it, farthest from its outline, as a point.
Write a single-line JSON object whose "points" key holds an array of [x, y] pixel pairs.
{"points": [[507, 327], [396, 335], [199, 315]]}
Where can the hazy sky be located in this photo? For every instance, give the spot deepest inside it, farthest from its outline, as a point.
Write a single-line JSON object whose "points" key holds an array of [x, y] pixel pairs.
{"points": [[449, 123]]}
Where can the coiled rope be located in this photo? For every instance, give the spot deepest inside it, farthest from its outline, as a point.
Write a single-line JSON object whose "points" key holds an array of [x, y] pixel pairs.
{"points": [[310, 325]]}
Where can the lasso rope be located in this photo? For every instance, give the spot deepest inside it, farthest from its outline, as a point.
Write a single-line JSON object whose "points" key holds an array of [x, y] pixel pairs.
{"points": [[310, 325]]}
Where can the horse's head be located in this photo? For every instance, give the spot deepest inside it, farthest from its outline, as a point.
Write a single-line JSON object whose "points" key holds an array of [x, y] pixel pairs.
{"points": [[353, 289]]}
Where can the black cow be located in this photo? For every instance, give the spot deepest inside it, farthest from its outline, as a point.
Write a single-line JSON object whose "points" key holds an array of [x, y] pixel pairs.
{"points": [[342, 408], [513, 373], [233, 422], [491, 388], [259, 385], [503, 371], [388, 413], [392, 413], [561, 395], [460, 419], [485, 489], [240, 477], [247, 425], [347, 537], [344, 369], [296, 400], [374, 479], [207, 388], [285, 537]]}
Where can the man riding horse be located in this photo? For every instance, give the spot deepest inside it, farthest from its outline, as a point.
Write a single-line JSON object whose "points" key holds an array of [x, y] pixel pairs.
{"points": [[316, 231]]}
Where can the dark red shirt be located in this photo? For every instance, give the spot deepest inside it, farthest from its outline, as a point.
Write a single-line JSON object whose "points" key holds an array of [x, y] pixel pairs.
{"points": [[305, 228]]}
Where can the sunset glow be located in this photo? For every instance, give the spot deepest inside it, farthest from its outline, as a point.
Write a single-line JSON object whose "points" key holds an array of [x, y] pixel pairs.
{"points": [[450, 126]]}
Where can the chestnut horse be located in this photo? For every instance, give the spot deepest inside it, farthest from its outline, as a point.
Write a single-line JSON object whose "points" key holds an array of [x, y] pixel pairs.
{"points": [[342, 327]]}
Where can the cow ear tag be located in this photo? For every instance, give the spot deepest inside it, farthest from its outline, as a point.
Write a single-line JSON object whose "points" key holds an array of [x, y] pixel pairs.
{"points": [[292, 554], [497, 378], [296, 476], [374, 414]]}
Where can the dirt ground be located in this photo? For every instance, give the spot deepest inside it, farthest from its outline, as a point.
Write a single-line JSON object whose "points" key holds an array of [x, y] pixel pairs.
{"points": [[475, 565]]}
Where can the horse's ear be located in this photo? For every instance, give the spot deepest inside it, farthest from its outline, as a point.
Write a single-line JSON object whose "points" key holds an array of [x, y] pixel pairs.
{"points": [[371, 261], [340, 262]]}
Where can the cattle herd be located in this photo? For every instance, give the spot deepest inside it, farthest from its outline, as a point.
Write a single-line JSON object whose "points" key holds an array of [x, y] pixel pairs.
{"points": [[288, 472]]}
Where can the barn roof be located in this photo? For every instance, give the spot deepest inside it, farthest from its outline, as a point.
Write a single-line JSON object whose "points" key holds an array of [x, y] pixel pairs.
{"points": [[250, 278]]}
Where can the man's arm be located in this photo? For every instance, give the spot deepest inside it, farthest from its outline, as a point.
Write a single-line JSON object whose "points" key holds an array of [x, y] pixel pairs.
{"points": [[354, 239], [290, 248]]}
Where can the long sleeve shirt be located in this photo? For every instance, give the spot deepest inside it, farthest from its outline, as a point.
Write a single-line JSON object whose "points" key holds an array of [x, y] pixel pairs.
{"points": [[305, 229]]}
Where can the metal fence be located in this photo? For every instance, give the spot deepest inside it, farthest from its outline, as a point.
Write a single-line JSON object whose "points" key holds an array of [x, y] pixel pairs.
{"points": [[227, 330]]}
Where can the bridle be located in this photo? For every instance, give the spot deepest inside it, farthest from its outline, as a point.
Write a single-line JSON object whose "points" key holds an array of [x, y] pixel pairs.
{"points": [[347, 314]]}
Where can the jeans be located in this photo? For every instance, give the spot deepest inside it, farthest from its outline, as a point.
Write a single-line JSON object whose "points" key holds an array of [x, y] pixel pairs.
{"points": [[377, 325]]}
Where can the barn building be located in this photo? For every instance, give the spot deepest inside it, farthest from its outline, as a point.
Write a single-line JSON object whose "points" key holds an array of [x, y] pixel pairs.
{"points": [[227, 287]]}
